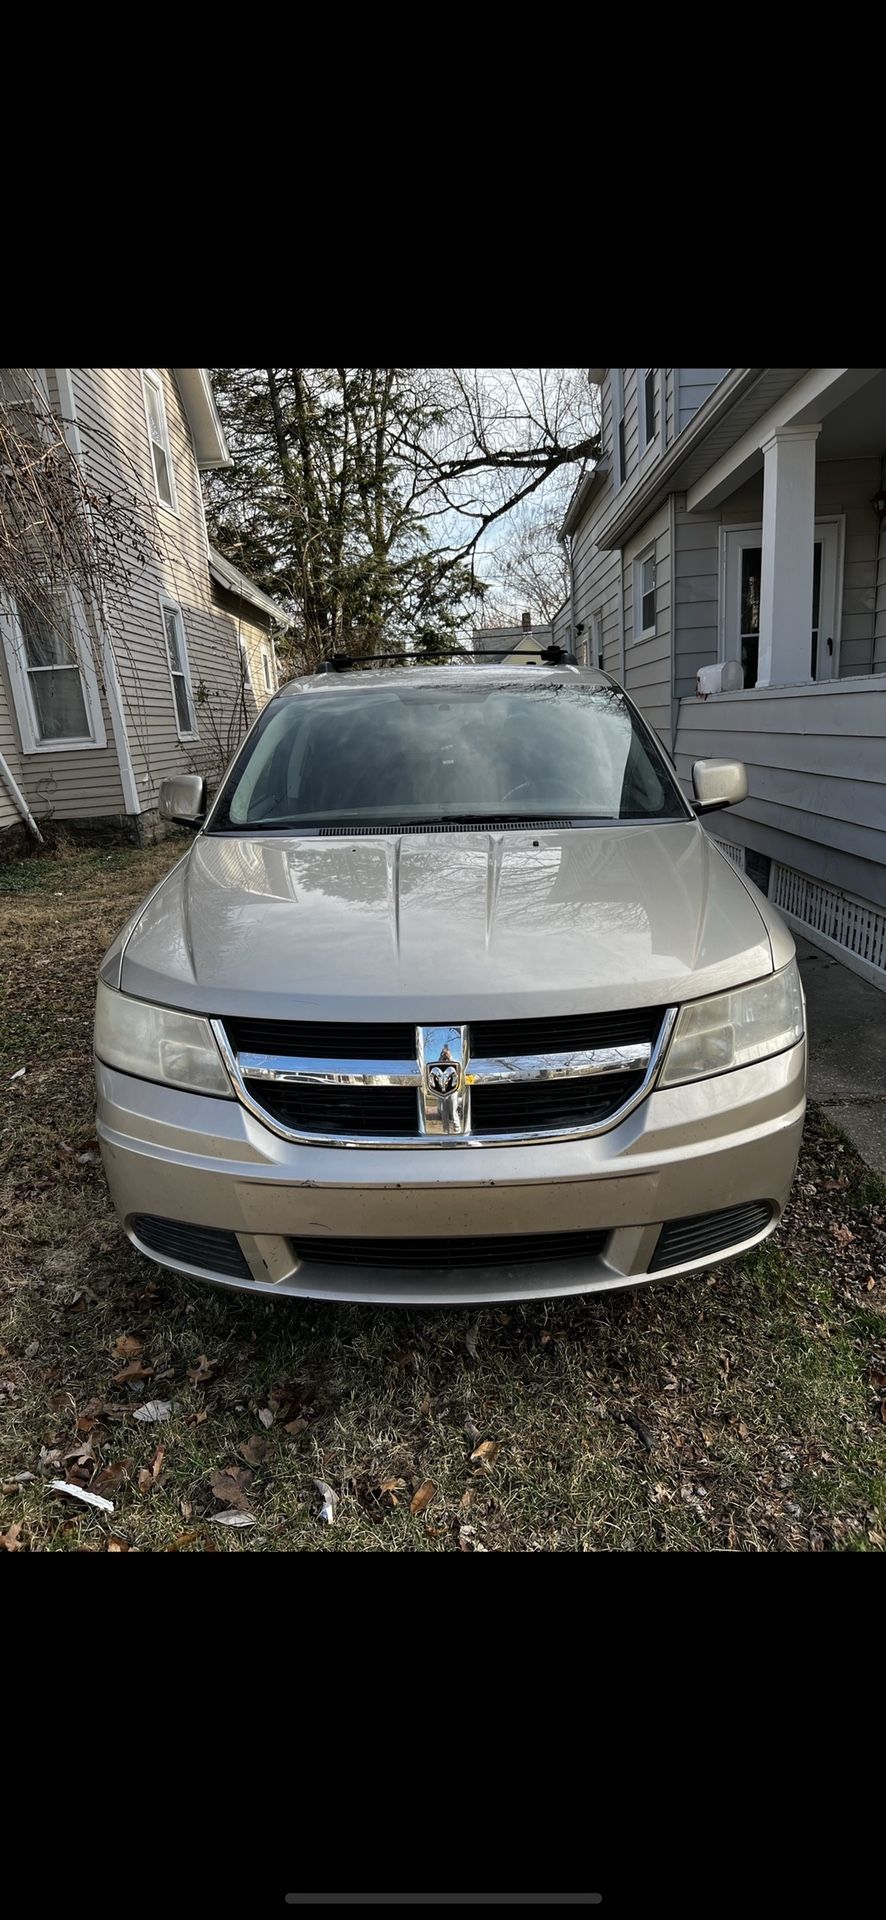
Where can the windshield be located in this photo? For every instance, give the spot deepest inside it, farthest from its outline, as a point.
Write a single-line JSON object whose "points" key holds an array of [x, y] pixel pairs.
{"points": [[392, 754]]}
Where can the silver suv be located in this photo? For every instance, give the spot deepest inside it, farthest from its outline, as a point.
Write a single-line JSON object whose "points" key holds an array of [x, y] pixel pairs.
{"points": [[452, 999]]}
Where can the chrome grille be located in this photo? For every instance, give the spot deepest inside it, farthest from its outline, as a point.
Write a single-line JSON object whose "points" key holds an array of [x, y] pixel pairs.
{"points": [[444, 1084]]}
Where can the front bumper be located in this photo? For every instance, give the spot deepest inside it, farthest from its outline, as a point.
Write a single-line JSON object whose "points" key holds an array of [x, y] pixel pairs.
{"points": [[686, 1151]]}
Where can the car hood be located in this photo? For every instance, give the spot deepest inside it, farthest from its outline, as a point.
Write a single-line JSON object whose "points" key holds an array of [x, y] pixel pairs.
{"points": [[450, 926]]}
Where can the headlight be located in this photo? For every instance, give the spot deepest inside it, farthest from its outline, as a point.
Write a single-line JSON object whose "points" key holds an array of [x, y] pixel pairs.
{"points": [[158, 1043], [735, 1029]]}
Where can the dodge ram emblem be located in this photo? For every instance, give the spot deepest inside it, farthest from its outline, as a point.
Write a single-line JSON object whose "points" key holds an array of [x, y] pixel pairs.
{"points": [[443, 1077]]}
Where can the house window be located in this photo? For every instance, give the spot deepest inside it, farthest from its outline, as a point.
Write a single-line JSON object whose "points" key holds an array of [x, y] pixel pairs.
{"points": [[179, 670], [644, 595], [596, 659], [158, 434], [648, 409], [52, 677], [619, 445], [266, 669]]}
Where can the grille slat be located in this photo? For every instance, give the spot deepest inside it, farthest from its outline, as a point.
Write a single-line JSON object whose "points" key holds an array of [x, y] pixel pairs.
{"points": [[494, 1039], [324, 1039], [210, 1247], [699, 1235], [338, 1110], [550, 1103], [487, 1250]]}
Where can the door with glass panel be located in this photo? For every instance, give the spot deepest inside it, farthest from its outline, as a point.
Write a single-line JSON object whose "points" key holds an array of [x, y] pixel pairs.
{"points": [[742, 571]]}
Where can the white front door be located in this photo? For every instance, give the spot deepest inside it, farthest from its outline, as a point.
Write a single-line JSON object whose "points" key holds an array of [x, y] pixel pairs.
{"points": [[741, 563]]}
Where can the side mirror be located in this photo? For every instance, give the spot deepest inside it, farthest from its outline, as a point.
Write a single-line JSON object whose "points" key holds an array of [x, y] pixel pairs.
{"points": [[719, 783], [183, 799]]}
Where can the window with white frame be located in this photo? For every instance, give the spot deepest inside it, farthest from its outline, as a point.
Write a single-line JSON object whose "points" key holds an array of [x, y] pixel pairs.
{"points": [[179, 669], [648, 407], [266, 669], [158, 434], [52, 676], [644, 595], [596, 659]]}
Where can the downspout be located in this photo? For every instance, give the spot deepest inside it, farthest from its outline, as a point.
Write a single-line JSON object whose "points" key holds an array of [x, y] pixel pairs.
{"points": [[18, 800]]}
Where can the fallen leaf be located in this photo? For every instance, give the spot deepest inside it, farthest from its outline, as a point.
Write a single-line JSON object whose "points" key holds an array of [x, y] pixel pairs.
{"points": [[109, 1477], [126, 1345], [330, 1501], [404, 1359], [841, 1233], [181, 1540], [266, 1417], [229, 1484], [423, 1497], [487, 1453], [466, 1499], [18, 1074], [466, 1536], [185, 1509], [154, 1410], [425, 1404], [878, 1375], [132, 1372], [472, 1432], [232, 1520], [296, 1426], [201, 1372], [9, 1540], [117, 1546], [883, 1411], [471, 1339], [392, 1486], [88, 1159], [254, 1449], [80, 1493]]}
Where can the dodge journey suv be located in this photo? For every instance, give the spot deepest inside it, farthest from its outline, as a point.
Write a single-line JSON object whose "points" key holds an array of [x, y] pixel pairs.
{"points": [[452, 998]]}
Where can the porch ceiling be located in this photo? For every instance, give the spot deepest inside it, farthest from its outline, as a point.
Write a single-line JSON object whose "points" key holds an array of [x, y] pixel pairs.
{"points": [[857, 429]]}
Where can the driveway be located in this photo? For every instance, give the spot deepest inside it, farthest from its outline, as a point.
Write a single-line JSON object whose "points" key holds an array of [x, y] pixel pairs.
{"points": [[847, 1062]]}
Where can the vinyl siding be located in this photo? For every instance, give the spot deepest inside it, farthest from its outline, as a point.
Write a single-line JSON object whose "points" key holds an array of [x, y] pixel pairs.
{"points": [[648, 662], [250, 625], [816, 788], [694, 385], [561, 629], [116, 449], [75, 782]]}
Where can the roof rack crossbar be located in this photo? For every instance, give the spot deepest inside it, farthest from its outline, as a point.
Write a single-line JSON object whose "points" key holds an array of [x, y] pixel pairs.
{"points": [[345, 663]]}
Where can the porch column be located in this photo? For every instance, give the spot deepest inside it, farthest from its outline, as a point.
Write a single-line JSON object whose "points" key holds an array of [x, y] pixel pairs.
{"points": [[785, 656]]}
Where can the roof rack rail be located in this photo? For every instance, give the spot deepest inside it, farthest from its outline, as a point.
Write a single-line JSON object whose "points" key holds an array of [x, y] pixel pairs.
{"points": [[346, 663]]}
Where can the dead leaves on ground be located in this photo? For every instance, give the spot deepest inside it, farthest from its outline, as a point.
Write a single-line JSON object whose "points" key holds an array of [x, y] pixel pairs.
{"points": [[423, 1496], [230, 1485]]}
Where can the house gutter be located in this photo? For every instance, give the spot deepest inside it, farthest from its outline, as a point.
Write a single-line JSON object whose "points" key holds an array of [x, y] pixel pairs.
{"points": [[18, 799]]}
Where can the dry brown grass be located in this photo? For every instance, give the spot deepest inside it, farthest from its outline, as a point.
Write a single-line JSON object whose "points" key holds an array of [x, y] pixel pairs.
{"points": [[738, 1411]]}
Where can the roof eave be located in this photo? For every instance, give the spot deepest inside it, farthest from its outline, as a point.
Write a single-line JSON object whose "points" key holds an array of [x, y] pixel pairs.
{"points": [[210, 446]]}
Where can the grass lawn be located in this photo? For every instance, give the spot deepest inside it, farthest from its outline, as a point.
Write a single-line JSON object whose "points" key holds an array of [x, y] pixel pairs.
{"points": [[742, 1410]]}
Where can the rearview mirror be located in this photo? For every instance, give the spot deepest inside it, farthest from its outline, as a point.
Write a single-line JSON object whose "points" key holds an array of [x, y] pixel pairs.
{"points": [[183, 799], [719, 783]]}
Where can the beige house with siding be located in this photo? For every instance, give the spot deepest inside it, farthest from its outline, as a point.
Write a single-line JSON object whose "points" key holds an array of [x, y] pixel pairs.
{"points": [[167, 678], [728, 566]]}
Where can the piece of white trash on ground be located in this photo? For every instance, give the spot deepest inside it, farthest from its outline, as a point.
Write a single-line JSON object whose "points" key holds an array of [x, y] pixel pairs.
{"points": [[153, 1410], [82, 1493], [329, 1499], [233, 1519]]}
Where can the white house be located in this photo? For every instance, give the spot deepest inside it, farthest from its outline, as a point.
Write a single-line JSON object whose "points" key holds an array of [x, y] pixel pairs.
{"points": [[736, 514]]}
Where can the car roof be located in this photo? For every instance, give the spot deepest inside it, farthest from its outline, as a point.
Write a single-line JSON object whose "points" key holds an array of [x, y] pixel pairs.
{"points": [[436, 676]]}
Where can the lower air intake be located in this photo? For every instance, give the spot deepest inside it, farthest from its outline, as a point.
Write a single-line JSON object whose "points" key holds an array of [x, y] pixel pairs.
{"points": [[209, 1247], [486, 1250], [705, 1233]]}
